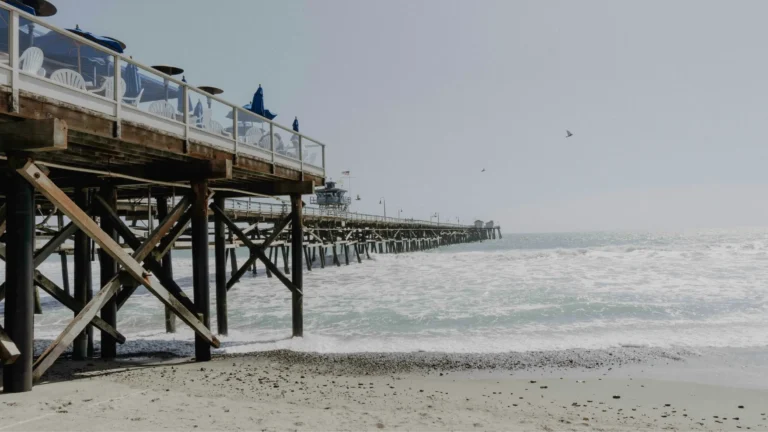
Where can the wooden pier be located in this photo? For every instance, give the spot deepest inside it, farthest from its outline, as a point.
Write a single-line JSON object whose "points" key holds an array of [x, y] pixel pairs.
{"points": [[80, 171]]}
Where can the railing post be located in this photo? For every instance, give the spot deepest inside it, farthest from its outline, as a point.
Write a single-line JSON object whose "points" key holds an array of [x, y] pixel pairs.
{"points": [[301, 157], [235, 132], [117, 96], [272, 145], [185, 104], [13, 56]]}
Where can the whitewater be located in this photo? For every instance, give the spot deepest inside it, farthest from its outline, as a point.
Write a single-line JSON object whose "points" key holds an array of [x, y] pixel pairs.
{"points": [[526, 292]]}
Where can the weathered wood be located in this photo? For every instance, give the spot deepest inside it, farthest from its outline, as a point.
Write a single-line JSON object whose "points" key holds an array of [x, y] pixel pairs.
{"points": [[297, 239], [82, 275], [33, 135], [48, 189], [9, 352], [189, 170], [2, 219], [150, 261], [357, 252], [19, 270], [108, 269], [273, 268], [221, 268], [167, 263], [200, 276]]}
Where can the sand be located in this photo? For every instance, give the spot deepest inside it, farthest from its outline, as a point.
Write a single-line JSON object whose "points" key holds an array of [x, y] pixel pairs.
{"points": [[421, 391]]}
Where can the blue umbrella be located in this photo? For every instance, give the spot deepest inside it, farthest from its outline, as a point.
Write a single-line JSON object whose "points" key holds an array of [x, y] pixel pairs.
{"points": [[257, 106], [296, 124], [105, 41], [132, 80], [26, 8]]}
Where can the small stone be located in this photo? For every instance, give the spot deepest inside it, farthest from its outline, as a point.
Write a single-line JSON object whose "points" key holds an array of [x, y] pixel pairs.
{"points": [[617, 397], [741, 406]]}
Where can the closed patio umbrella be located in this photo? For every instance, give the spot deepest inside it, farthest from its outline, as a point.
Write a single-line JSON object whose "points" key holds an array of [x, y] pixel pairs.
{"points": [[257, 105]]}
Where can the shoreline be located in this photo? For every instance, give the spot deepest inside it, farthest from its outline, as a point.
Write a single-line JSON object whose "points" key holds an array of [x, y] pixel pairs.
{"points": [[285, 390]]}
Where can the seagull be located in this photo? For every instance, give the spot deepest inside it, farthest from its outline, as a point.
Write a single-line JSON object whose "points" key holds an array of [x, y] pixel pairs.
{"points": [[568, 133], [483, 170]]}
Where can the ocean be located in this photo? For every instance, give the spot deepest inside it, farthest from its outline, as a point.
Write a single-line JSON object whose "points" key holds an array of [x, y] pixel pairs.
{"points": [[525, 292]]}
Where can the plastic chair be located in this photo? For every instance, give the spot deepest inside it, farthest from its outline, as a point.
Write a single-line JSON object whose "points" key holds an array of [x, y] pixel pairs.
{"points": [[69, 78], [31, 61], [109, 88], [253, 135], [134, 100], [163, 109]]}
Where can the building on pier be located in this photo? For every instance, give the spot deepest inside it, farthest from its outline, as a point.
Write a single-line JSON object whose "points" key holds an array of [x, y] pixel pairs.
{"points": [[332, 198]]}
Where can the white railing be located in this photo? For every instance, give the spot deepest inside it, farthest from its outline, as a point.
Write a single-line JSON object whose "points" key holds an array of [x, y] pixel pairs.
{"points": [[81, 76], [258, 208]]}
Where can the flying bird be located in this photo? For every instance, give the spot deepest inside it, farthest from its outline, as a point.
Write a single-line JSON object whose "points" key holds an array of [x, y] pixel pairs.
{"points": [[568, 133], [483, 170]]}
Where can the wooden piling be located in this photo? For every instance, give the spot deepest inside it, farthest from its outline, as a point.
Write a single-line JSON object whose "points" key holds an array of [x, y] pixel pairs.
{"points": [[82, 275], [108, 269], [63, 258], [297, 238], [19, 271], [221, 268], [200, 275], [167, 264]]}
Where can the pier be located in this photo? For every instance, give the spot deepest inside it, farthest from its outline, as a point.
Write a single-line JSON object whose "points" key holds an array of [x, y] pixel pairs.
{"points": [[120, 181]]}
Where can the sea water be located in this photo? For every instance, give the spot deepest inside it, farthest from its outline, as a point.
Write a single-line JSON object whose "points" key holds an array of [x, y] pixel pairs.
{"points": [[523, 292]]}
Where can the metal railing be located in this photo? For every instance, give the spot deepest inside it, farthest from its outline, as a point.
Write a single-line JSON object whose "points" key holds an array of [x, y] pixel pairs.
{"points": [[258, 208], [81, 76]]}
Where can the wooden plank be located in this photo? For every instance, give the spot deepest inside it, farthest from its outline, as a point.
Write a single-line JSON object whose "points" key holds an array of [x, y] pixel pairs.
{"points": [[152, 263], [273, 268], [47, 188], [2, 219], [8, 350], [54, 243], [33, 135]]}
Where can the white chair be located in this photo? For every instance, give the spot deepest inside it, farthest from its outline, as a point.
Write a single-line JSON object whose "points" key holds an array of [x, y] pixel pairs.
{"points": [[163, 109], [311, 158], [31, 61], [108, 87], [69, 78], [253, 135], [134, 100], [278, 141]]}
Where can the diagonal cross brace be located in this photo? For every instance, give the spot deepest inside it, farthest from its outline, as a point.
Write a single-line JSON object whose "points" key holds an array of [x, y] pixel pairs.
{"points": [[160, 251], [151, 262], [257, 251], [67, 300], [47, 188]]}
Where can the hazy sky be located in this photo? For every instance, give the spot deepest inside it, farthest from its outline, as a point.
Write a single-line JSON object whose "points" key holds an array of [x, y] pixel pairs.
{"points": [[666, 99]]}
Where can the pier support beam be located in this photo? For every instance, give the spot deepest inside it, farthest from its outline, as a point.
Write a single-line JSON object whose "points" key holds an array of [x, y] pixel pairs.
{"points": [[82, 275], [200, 274], [167, 264], [297, 238], [108, 270], [19, 271], [221, 268]]}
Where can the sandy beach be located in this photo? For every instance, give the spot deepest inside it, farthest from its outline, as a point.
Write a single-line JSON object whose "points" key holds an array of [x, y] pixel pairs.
{"points": [[623, 389]]}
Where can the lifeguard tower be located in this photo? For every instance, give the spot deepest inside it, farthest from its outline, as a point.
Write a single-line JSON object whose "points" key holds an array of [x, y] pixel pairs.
{"points": [[331, 198]]}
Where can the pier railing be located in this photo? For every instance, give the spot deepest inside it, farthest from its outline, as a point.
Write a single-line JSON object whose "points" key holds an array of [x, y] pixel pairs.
{"points": [[269, 209], [47, 61]]}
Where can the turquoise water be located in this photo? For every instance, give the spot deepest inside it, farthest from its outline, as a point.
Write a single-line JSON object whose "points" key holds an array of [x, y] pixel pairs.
{"points": [[524, 292]]}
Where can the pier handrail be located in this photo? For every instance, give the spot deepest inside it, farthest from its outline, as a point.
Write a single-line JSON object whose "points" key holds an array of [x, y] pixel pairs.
{"points": [[263, 208], [202, 135]]}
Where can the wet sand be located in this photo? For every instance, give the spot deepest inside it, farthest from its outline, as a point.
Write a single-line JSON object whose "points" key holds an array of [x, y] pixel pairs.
{"points": [[421, 391]]}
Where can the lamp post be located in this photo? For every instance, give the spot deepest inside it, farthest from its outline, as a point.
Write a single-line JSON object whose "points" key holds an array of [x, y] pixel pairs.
{"points": [[384, 201], [398, 213]]}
